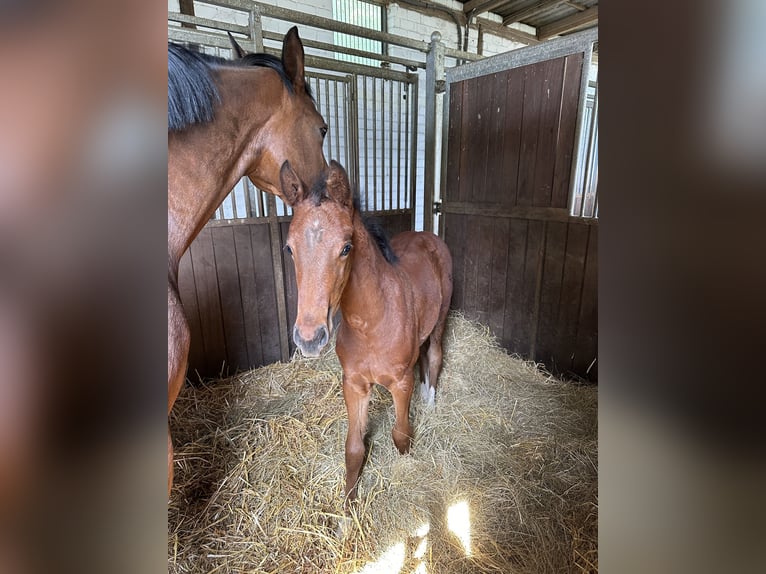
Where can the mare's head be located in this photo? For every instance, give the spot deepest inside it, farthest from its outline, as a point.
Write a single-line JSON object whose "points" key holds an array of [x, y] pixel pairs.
{"points": [[320, 242], [295, 131]]}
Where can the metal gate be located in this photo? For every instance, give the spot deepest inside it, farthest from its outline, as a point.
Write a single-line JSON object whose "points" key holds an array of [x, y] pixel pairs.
{"points": [[522, 264]]}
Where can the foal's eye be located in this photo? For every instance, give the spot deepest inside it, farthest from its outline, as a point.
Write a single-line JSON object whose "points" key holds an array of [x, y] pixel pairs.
{"points": [[288, 249], [323, 131], [346, 249]]}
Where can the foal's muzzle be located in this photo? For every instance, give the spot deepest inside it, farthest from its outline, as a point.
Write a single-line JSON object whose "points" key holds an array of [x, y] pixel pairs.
{"points": [[311, 347]]}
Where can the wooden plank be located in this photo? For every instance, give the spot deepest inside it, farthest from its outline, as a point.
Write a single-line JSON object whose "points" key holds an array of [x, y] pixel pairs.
{"points": [[495, 186], [480, 132], [529, 298], [576, 20], [587, 324], [476, 7], [533, 86], [550, 294], [266, 294], [568, 316], [454, 143], [482, 246], [518, 212], [516, 313], [291, 288], [567, 126], [468, 140], [188, 292], [231, 299], [498, 285], [552, 72], [208, 298], [244, 245], [512, 123]]}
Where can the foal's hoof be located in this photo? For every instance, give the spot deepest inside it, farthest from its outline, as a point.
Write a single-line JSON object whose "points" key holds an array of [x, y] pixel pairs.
{"points": [[344, 527]]}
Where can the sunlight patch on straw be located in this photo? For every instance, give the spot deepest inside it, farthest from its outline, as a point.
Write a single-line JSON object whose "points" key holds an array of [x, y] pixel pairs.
{"points": [[391, 561], [459, 523]]}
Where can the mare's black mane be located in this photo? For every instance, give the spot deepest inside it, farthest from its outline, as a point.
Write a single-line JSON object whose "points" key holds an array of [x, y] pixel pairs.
{"points": [[318, 193], [192, 91]]}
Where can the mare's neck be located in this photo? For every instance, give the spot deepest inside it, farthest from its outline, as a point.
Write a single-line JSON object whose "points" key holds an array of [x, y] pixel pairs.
{"points": [[206, 161], [365, 293]]}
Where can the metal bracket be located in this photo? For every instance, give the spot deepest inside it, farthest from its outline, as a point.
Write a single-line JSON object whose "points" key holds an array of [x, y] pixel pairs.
{"points": [[441, 86], [437, 207]]}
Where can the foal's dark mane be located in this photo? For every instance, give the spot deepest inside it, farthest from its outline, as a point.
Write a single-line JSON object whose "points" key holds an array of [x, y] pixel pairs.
{"points": [[318, 193], [192, 91]]}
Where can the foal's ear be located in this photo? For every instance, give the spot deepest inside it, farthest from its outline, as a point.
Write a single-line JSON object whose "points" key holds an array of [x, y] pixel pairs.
{"points": [[292, 188], [292, 59], [338, 187], [239, 52]]}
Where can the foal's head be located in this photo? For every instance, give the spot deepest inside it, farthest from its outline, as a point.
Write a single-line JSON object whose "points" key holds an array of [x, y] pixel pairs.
{"points": [[320, 242]]}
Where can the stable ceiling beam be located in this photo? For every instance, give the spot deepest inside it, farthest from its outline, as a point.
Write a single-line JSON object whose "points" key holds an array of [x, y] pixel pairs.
{"points": [[525, 13], [572, 22], [480, 6]]}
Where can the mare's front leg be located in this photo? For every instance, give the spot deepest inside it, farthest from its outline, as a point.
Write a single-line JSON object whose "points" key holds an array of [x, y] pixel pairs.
{"points": [[356, 395], [401, 391], [178, 354]]}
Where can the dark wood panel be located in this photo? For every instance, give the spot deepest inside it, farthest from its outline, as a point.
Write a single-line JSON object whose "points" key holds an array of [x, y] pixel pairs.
{"points": [[530, 129], [514, 111], [454, 236], [244, 243], [550, 293], [291, 288], [500, 232], [587, 325], [550, 105], [468, 141], [567, 126], [571, 296], [481, 132], [530, 292], [483, 248], [208, 299], [516, 313], [454, 143], [188, 293], [266, 294], [231, 298]]}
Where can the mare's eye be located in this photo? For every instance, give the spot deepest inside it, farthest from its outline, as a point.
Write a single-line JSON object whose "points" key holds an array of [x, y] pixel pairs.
{"points": [[288, 249], [323, 131], [346, 249]]}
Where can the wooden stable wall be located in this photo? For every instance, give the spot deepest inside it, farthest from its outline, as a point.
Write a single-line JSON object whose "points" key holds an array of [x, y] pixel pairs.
{"points": [[523, 266], [230, 289]]}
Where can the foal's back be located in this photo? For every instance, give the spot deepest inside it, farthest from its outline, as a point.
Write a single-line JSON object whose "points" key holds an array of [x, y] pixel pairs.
{"points": [[426, 260]]}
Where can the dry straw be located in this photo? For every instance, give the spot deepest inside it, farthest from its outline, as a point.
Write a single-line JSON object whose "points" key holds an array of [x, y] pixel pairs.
{"points": [[259, 471]]}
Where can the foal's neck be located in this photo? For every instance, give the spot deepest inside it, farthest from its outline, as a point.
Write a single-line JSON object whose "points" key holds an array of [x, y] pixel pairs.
{"points": [[365, 292]]}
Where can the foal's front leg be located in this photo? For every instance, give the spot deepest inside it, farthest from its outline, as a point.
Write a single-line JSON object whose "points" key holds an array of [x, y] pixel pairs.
{"points": [[356, 395]]}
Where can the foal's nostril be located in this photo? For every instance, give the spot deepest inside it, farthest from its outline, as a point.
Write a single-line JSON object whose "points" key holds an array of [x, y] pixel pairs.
{"points": [[322, 335]]}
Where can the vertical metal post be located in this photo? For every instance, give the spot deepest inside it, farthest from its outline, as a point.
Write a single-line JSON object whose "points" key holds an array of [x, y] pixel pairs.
{"points": [[434, 86], [256, 28]]}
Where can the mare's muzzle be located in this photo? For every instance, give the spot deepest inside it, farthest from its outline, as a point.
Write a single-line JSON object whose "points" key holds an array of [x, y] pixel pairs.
{"points": [[311, 347]]}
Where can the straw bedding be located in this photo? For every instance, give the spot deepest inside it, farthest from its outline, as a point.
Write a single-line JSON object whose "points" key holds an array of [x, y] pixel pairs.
{"points": [[260, 471]]}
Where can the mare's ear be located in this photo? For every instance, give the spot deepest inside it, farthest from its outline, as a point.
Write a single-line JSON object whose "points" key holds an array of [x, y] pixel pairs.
{"points": [[338, 187], [292, 188], [239, 52], [292, 59]]}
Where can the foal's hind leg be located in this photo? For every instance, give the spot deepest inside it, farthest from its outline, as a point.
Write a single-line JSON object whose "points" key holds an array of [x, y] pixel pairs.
{"points": [[435, 356], [401, 391]]}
